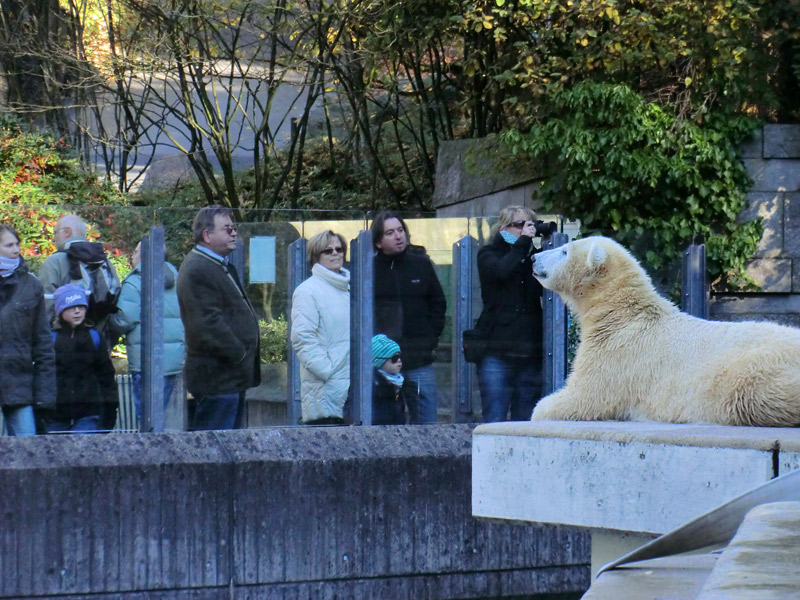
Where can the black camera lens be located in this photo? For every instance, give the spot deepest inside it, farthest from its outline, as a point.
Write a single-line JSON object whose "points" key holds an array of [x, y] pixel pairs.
{"points": [[545, 228]]}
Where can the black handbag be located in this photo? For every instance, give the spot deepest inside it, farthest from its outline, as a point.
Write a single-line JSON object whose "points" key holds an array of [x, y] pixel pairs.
{"points": [[474, 344]]}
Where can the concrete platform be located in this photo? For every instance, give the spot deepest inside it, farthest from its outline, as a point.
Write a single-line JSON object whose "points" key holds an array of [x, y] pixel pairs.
{"points": [[626, 481], [760, 563], [669, 578]]}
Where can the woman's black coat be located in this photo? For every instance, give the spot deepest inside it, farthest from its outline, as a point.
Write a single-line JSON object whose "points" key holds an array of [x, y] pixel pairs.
{"points": [[27, 360], [512, 309]]}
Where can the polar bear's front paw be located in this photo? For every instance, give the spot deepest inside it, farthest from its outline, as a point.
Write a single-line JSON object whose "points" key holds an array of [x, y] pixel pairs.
{"points": [[548, 408]]}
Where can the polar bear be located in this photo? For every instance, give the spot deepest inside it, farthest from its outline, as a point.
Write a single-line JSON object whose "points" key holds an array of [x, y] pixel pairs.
{"points": [[641, 359]]}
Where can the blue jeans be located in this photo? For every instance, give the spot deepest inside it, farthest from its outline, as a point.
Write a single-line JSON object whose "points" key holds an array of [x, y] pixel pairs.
{"points": [[423, 411], [89, 424], [514, 383], [19, 420], [218, 411], [136, 385]]}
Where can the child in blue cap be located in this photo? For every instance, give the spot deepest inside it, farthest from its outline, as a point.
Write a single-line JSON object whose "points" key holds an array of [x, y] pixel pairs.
{"points": [[390, 391], [86, 392]]}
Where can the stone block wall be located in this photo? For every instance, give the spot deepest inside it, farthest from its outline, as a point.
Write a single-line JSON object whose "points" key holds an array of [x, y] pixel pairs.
{"points": [[772, 159], [478, 177]]}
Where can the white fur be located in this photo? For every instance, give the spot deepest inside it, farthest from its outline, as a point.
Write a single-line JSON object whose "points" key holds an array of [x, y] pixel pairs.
{"points": [[640, 358]]}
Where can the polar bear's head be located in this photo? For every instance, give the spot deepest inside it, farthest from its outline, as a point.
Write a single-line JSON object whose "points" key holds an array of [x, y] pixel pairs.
{"points": [[588, 267]]}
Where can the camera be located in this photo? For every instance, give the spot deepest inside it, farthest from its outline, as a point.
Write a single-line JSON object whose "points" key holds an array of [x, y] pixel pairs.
{"points": [[545, 228]]}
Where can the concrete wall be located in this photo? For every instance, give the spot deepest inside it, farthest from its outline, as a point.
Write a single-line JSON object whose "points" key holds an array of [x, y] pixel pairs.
{"points": [[478, 177], [373, 512]]}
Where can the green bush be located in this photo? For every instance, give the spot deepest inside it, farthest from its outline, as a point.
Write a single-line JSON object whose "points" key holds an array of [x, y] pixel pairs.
{"points": [[273, 340], [40, 181], [632, 170]]}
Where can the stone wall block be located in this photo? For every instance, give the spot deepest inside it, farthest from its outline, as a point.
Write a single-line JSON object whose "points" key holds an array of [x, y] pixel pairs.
{"points": [[791, 225], [774, 275], [774, 175], [470, 169], [796, 276], [448, 174], [781, 141], [754, 147], [768, 206], [491, 204]]}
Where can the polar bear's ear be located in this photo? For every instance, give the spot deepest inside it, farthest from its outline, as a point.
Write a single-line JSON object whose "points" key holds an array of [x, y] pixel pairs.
{"points": [[596, 257]]}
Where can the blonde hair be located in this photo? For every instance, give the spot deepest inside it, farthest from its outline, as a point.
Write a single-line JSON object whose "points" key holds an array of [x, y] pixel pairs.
{"points": [[319, 242], [508, 216]]}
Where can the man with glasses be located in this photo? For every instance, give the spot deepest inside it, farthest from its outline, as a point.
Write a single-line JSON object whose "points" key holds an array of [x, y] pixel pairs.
{"points": [[73, 249], [222, 338]]}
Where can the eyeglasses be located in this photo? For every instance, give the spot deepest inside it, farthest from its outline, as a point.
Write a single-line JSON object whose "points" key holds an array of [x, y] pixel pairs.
{"points": [[229, 229], [518, 224], [332, 251], [396, 358]]}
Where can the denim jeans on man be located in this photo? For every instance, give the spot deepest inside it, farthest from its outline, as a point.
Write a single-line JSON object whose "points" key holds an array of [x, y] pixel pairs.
{"points": [[504, 383], [424, 410], [136, 385], [218, 411], [19, 420]]}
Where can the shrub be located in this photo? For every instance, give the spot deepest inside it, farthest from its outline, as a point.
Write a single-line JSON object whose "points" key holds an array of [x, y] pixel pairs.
{"points": [[633, 170], [273, 340], [41, 180]]}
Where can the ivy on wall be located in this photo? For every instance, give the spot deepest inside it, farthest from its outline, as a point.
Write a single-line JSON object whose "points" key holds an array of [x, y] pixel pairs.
{"points": [[631, 169]]}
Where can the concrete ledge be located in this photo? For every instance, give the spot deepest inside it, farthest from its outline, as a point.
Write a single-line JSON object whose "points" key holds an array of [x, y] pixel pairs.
{"points": [[760, 563], [283, 513], [669, 578], [638, 477], [761, 560]]}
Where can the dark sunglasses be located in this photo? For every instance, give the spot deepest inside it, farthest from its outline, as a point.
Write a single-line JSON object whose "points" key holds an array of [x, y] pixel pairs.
{"points": [[229, 229], [518, 224], [331, 251], [396, 358]]}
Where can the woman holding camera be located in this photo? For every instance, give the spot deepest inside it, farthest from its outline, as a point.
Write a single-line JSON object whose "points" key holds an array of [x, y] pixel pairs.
{"points": [[510, 374]]}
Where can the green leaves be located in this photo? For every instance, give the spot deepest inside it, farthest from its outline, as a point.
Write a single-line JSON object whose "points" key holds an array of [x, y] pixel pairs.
{"points": [[635, 171]]}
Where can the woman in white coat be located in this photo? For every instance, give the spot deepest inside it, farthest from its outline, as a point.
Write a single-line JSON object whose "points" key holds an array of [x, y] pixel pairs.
{"points": [[321, 331]]}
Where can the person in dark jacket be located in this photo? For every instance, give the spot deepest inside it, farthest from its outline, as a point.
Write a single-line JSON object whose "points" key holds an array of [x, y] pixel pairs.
{"points": [[409, 308], [510, 375], [27, 360], [87, 398], [391, 392], [222, 337], [69, 237]]}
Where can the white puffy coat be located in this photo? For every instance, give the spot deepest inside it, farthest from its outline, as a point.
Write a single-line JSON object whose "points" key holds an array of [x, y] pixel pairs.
{"points": [[321, 339]]}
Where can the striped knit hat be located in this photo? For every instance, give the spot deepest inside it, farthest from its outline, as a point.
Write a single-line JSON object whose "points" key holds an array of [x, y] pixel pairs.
{"points": [[383, 349]]}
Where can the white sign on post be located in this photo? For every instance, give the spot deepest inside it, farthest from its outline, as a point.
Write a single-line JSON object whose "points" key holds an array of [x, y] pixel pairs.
{"points": [[262, 259]]}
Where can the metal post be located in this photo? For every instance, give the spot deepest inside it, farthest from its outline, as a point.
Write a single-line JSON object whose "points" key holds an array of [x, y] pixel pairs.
{"points": [[153, 331], [694, 289], [236, 259], [298, 273], [464, 286], [362, 299], [555, 331]]}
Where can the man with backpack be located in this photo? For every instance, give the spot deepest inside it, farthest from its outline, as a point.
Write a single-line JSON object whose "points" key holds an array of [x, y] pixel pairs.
{"points": [[83, 263]]}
